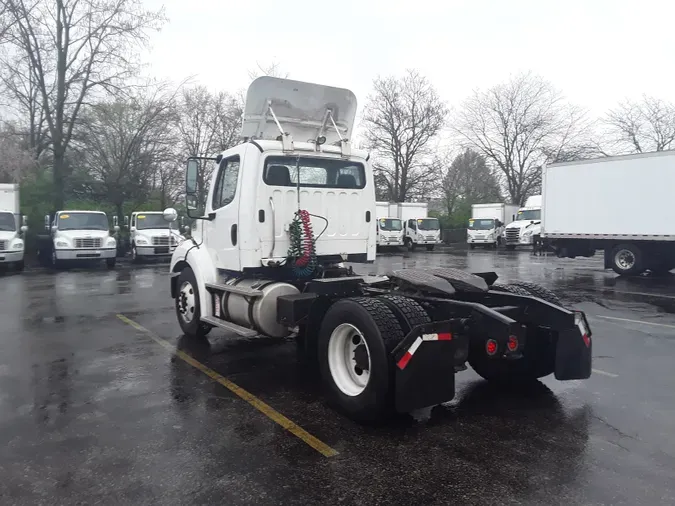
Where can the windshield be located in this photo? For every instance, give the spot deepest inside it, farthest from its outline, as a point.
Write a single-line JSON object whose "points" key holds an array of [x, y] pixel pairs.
{"points": [[428, 224], [145, 221], [390, 225], [487, 224], [83, 221], [314, 172], [7, 223], [529, 215]]}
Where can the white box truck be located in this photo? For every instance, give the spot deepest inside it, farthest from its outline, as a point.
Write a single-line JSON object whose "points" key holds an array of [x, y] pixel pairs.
{"points": [[79, 236], [420, 230], [151, 235], [12, 227], [487, 223], [525, 230], [621, 205], [389, 228]]}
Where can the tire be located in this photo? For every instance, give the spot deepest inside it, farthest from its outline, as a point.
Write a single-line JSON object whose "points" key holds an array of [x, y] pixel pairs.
{"points": [[430, 247], [19, 266], [134, 255], [110, 262], [192, 327], [472, 246], [627, 259], [56, 263], [357, 322], [408, 312], [516, 290], [539, 291], [410, 245], [510, 247]]}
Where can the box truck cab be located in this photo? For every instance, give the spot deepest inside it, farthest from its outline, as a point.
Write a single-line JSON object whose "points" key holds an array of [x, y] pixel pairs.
{"points": [[12, 227], [389, 228], [151, 235], [526, 229], [487, 223], [422, 231], [81, 235]]}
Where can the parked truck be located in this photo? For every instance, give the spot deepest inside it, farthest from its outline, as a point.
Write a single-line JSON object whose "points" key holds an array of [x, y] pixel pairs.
{"points": [[525, 230], [78, 236], [420, 230], [389, 228], [268, 254], [620, 205], [12, 228], [151, 236], [487, 223]]}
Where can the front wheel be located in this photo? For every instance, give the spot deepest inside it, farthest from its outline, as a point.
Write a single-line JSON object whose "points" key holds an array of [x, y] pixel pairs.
{"points": [[134, 255], [56, 263], [355, 340], [188, 306], [110, 262], [430, 247], [472, 246], [19, 266]]}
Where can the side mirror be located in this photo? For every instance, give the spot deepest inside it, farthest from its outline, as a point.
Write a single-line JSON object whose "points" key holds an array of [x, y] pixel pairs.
{"points": [[54, 229], [24, 220], [191, 176], [116, 228], [47, 222], [115, 221], [24, 229], [126, 221], [170, 214]]}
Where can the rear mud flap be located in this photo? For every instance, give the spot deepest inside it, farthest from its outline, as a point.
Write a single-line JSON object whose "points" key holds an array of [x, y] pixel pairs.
{"points": [[574, 352], [424, 366]]}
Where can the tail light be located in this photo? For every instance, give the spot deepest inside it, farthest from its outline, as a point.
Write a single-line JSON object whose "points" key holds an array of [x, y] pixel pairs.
{"points": [[491, 347]]}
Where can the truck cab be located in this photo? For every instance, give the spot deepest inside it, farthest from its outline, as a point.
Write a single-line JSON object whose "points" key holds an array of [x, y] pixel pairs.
{"points": [[151, 235], [526, 229], [389, 232], [12, 228], [484, 231], [422, 231], [81, 236]]}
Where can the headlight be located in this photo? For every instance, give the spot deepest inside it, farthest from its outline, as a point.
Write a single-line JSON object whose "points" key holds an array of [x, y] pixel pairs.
{"points": [[527, 233], [141, 240], [61, 243], [18, 244], [112, 241]]}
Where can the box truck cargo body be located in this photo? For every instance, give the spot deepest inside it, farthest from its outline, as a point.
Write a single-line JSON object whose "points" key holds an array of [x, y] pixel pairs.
{"points": [[12, 227], [487, 223], [621, 205], [389, 227]]}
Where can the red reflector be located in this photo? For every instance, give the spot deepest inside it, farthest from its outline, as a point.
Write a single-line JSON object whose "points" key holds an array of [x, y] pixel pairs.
{"points": [[445, 337], [491, 346], [587, 340], [404, 360], [512, 345]]}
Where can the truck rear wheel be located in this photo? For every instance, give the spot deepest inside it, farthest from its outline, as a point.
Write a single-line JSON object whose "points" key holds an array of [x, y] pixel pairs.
{"points": [[356, 337], [627, 259], [188, 306], [514, 289], [539, 291], [407, 311]]}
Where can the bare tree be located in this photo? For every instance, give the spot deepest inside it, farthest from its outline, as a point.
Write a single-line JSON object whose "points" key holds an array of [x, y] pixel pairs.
{"points": [[518, 126], [15, 160], [468, 180], [271, 69], [126, 146], [641, 126], [76, 47], [402, 118]]}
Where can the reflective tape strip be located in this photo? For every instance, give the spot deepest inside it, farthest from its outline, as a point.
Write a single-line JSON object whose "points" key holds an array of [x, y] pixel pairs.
{"points": [[443, 336], [408, 354]]}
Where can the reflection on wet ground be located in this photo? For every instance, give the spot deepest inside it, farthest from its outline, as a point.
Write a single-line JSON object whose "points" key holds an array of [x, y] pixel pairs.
{"points": [[93, 411]]}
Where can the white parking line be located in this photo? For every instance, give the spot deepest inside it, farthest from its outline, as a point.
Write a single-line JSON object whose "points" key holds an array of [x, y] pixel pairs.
{"points": [[635, 321], [605, 373]]}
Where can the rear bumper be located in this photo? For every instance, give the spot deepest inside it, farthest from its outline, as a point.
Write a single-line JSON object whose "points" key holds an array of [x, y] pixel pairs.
{"points": [[10, 256], [155, 251], [85, 254]]}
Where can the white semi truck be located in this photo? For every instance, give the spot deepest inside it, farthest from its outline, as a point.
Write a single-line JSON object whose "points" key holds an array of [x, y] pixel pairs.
{"points": [[420, 230], [389, 228], [79, 236], [151, 236], [487, 223], [12, 228], [286, 209], [525, 230], [620, 205]]}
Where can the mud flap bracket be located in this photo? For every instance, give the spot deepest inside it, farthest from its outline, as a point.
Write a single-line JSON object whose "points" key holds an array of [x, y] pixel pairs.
{"points": [[574, 351]]}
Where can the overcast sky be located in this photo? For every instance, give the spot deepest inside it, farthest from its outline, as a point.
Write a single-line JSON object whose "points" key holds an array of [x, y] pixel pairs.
{"points": [[597, 52]]}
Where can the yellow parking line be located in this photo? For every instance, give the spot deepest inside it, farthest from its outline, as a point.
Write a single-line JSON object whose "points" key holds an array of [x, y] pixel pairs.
{"points": [[265, 409]]}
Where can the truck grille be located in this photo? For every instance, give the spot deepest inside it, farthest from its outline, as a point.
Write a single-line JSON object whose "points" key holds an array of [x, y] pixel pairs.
{"points": [[3, 245], [512, 235], [89, 242], [160, 241]]}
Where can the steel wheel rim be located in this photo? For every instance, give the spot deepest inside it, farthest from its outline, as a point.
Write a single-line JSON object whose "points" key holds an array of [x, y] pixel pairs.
{"points": [[349, 359], [186, 301], [625, 259]]}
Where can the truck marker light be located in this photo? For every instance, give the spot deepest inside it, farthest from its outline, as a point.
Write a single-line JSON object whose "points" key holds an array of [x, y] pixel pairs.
{"points": [[491, 347], [512, 345]]}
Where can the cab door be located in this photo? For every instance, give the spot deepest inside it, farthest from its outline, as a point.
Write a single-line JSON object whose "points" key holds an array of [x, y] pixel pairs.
{"points": [[222, 228]]}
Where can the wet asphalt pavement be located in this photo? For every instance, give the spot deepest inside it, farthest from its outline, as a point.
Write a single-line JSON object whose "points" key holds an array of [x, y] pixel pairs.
{"points": [[95, 411]]}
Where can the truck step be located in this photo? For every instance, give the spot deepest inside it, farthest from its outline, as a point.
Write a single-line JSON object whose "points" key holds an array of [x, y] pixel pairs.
{"points": [[232, 327], [248, 292]]}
